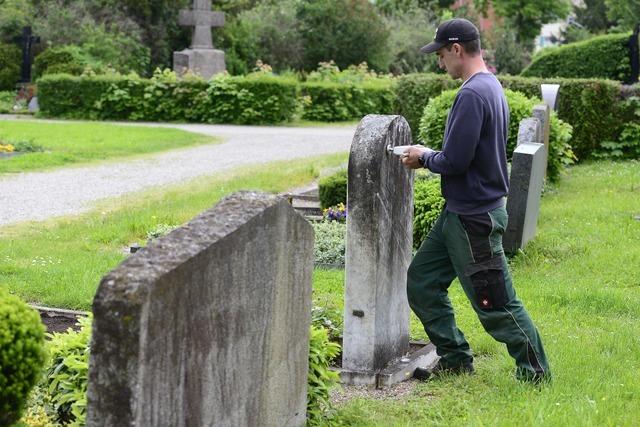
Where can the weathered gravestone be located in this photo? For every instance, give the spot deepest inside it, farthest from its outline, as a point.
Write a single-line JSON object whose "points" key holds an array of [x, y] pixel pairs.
{"points": [[378, 253], [209, 325], [542, 112], [528, 167], [201, 58]]}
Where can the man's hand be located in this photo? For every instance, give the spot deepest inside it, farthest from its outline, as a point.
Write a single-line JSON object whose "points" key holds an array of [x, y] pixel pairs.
{"points": [[412, 155]]}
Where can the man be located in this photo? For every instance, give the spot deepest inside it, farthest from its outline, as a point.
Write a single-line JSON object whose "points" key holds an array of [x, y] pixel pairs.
{"points": [[466, 240]]}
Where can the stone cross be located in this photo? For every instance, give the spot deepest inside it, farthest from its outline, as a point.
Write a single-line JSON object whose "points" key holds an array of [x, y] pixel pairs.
{"points": [[208, 325], [202, 18], [27, 40], [378, 253]]}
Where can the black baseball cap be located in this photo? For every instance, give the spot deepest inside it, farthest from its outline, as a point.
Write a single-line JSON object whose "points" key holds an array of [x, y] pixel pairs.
{"points": [[452, 31]]}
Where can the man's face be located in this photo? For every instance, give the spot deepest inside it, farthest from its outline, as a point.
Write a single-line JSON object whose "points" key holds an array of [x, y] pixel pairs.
{"points": [[449, 60]]}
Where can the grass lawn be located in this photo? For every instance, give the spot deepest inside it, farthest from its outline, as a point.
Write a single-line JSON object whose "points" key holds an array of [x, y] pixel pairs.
{"points": [[60, 263], [82, 142], [580, 281]]}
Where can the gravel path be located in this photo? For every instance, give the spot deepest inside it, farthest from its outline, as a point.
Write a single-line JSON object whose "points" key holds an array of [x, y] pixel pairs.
{"points": [[42, 195]]}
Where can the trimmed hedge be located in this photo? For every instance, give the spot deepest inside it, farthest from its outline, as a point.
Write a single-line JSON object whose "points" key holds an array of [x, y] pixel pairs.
{"points": [[333, 189], [332, 101], [22, 355], [413, 92], [58, 60], [604, 57], [253, 99], [595, 108], [9, 66]]}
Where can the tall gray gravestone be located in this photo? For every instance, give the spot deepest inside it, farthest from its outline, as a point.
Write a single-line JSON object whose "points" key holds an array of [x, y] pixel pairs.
{"points": [[378, 251], [209, 325], [201, 58], [542, 112], [528, 167]]}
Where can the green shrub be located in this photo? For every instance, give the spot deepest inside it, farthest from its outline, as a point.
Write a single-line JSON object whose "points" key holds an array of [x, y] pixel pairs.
{"points": [[329, 319], [347, 31], [560, 153], [59, 60], [413, 92], [22, 355], [10, 60], [604, 57], [596, 109], [427, 205], [320, 377], [333, 189], [334, 102], [329, 243], [253, 99], [67, 374], [7, 101], [75, 97], [628, 145]]}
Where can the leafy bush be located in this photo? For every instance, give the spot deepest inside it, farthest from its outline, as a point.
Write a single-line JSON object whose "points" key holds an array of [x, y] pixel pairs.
{"points": [[320, 378], [427, 205], [56, 60], [333, 189], [7, 101], [252, 99], [67, 374], [413, 92], [595, 108], [10, 60], [22, 355], [329, 319], [560, 153], [73, 97], [605, 57], [329, 244], [347, 31], [628, 145]]}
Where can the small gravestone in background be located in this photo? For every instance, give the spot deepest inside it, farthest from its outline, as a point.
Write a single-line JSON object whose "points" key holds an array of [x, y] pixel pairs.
{"points": [[528, 167], [542, 112], [378, 253], [208, 325], [201, 58]]}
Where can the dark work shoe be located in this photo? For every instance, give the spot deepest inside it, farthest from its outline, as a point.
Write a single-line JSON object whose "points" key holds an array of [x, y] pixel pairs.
{"points": [[424, 374]]}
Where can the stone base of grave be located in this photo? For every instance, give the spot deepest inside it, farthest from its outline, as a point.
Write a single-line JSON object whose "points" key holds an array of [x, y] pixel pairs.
{"points": [[203, 62], [397, 371]]}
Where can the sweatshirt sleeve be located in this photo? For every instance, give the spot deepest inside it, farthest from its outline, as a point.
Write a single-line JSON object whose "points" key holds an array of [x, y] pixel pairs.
{"points": [[461, 136]]}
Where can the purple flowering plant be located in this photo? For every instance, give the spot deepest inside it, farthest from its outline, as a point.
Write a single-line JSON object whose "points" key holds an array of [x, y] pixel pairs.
{"points": [[336, 213]]}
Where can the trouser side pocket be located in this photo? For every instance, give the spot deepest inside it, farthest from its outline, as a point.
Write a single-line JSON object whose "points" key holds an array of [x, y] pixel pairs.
{"points": [[487, 279]]}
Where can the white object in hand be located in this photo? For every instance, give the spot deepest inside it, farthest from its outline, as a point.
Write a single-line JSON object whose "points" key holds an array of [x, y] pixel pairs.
{"points": [[399, 150]]}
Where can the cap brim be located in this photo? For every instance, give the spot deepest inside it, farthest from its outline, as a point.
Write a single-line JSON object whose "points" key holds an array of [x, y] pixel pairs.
{"points": [[432, 47]]}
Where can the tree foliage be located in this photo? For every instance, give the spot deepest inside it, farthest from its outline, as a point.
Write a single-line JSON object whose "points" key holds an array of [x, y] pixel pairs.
{"points": [[527, 16], [347, 31], [625, 12]]}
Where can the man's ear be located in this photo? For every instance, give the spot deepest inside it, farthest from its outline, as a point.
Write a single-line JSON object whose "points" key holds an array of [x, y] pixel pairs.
{"points": [[457, 48]]}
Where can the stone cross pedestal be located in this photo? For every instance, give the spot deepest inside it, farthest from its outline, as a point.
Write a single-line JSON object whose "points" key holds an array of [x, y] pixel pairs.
{"points": [[378, 253], [201, 58]]}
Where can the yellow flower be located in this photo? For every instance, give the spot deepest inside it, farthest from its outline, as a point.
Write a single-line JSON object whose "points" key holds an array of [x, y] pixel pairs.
{"points": [[6, 148]]}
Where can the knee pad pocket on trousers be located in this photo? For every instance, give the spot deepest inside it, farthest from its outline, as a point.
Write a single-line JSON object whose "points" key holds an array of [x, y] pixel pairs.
{"points": [[487, 279]]}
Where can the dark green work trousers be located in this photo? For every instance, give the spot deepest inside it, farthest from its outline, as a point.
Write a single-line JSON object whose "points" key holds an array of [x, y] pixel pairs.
{"points": [[470, 247]]}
